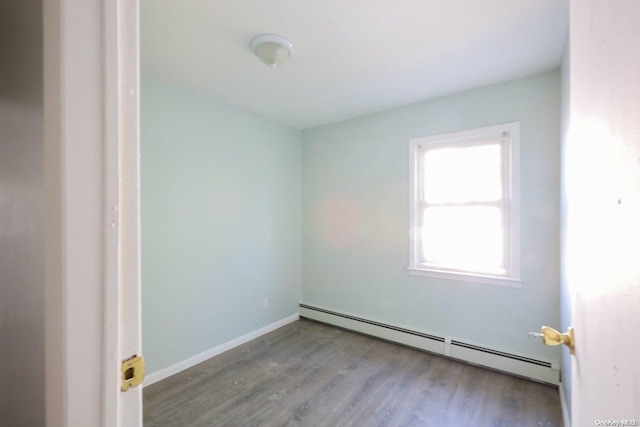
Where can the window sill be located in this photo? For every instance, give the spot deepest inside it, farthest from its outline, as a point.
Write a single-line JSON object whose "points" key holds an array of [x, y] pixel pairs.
{"points": [[466, 277]]}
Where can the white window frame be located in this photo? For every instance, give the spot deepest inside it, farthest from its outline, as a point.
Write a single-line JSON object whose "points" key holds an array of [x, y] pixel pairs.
{"points": [[510, 135]]}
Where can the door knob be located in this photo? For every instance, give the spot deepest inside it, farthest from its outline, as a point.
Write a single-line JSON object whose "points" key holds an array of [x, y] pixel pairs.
{"points": [[552, 337]]}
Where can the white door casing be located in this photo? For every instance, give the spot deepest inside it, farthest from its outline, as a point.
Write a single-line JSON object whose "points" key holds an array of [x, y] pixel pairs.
{"points": [[92, 262], [123, 302]]}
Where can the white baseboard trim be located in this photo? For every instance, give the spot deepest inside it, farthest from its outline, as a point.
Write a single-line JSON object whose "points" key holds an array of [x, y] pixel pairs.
{"points": [[566, 420], [199, 358], [517, 364]]}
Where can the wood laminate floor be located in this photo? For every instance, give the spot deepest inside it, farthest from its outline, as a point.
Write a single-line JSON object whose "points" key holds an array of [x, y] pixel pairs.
{"points": [[311, 374]]}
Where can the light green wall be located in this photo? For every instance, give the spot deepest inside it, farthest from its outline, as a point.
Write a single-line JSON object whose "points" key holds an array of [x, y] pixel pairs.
{"points": [[355, 180], [220, 222]]}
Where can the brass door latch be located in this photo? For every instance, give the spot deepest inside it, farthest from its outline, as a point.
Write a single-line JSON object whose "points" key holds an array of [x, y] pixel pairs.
{"points": [[133, 370]]}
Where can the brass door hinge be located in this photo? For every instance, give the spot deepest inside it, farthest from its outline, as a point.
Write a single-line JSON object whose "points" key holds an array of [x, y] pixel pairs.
{"points": [[132, 372]]}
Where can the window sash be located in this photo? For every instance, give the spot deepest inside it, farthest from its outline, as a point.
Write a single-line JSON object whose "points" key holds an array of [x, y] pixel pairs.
{"points": [[502, 203], [501, 143], [507, 136], [442, 252]]}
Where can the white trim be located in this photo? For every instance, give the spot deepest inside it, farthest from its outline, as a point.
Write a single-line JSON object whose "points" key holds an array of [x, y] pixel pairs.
{"points": [[74, 140], [112, 291], [90, 127], [548, 374], [466, 277], [129, 264], [511, 151], [566, 420], [122, 296], [199, 358]]}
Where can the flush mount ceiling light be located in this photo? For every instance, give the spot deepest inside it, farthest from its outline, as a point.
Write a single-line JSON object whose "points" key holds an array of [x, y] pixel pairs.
{"points": [[272, 49]]}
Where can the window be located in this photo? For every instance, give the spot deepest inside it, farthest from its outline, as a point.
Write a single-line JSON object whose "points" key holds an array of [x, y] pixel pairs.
{"points": [[464, 205]]}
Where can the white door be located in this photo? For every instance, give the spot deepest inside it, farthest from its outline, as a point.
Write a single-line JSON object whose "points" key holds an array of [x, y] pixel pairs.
{"points": [[92, 259], [603, 211]]}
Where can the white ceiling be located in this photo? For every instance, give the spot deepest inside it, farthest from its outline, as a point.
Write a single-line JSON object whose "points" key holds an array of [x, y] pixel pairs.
{"points": [[352, 57]]}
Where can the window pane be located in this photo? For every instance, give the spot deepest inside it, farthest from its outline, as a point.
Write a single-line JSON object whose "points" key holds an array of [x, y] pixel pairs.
{"points": [[463, 237], [462, 174]]}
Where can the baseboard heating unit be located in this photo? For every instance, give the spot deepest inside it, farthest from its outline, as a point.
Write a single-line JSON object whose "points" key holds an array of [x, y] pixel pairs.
{"points": [[528, 367]]}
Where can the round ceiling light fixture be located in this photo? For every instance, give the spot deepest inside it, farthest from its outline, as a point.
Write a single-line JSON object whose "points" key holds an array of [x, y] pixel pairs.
{"points": [[272, 49]]}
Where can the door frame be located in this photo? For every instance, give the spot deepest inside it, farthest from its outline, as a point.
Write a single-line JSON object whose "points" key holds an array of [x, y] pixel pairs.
{"points": [[92, 237]]}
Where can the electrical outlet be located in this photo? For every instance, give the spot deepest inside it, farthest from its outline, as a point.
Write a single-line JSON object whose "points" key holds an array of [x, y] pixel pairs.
{"points": [[265, 302]]}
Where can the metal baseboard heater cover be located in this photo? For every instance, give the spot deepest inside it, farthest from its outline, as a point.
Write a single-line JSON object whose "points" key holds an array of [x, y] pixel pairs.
{"points": [[538, 370]]}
